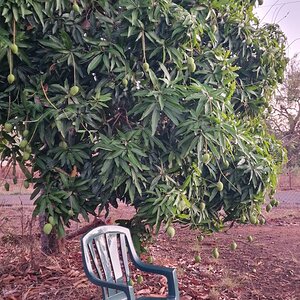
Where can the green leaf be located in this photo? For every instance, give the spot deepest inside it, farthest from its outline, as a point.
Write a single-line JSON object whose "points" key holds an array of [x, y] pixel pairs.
{"points": [[132, 159], [125, 167], [164, 69], [106, 62], [50, 44], [94, 63], [35, 192], [60, 230], [15, 13], [150, 109], [138, 152], [38, 10], [153, 78], [154, 120]]}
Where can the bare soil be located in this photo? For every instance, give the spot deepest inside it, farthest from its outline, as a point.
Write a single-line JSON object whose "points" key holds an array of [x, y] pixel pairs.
{"points": [[267, 268]]}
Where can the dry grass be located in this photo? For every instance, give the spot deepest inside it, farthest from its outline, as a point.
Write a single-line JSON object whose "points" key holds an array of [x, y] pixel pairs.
{"points": [[214, 294], [228, 282]]}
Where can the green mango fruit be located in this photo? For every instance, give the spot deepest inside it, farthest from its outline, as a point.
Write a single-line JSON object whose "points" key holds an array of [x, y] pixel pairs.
{"points": [[202, 206], [25, 133], [171, 231], [23, 144], [215, 253], [206, 158], [47, 228], [6, 186], [14, 48], [74, 90], [220, 186], [76, 7], [268, 207], [233, 246], [26, 156], [250, 238], [8, 127], [26, 184], [11, 78], [51, 220], [150, 260], [197, 258], [139, 279], [146, 67]]}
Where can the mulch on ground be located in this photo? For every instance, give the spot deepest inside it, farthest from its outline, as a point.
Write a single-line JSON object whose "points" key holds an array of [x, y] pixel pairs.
{"points": [[267, 268]]}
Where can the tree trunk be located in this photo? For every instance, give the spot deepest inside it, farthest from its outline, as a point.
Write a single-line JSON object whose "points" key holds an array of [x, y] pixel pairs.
{"points": [[50, 244]]}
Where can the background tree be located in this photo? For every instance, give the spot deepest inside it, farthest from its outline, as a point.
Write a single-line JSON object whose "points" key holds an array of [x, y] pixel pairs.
{"points": [[284, 119], [157, 103]]}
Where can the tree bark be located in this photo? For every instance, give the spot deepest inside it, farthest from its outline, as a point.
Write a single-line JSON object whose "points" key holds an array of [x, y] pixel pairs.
{"points": [[50, 244]]}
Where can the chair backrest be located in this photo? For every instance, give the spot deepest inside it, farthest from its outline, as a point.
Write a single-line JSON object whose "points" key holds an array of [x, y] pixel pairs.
{"points": [[105, 257]]}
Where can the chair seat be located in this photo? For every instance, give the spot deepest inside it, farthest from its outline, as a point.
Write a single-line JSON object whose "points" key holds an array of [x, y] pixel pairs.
{"points": [[119, 296], [122, 296], [156, 298]]}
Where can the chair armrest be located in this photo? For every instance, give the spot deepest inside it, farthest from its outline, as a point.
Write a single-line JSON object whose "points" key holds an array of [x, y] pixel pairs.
{"points": [[169, 273], [156, 269], [128, 290]]}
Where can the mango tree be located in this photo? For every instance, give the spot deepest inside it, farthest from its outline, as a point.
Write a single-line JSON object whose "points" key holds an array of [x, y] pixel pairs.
{"points": [[160, 104]]}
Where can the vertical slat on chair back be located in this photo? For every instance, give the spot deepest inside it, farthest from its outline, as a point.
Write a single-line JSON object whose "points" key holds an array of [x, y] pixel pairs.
{"points": [[109, 255], [113, 249], [103, 253], [124, 253], [95, 262]]}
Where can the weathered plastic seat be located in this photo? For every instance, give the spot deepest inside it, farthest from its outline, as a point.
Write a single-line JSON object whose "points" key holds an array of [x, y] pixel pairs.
{"points": [[105, 259]]}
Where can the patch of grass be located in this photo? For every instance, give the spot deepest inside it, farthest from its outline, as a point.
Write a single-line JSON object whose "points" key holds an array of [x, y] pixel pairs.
{"points": [[228, 282], [294, 259], [214, 294]]}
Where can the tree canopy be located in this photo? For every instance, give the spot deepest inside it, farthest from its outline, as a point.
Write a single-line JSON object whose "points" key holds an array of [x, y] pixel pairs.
{"points": [[160, 104]]}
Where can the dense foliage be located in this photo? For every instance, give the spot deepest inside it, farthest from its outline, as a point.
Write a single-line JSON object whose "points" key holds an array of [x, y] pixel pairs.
{"points": [[158, 103]]}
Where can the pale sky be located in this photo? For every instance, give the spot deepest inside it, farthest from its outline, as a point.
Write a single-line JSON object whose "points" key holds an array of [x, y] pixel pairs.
{"points": [[286, 13]]}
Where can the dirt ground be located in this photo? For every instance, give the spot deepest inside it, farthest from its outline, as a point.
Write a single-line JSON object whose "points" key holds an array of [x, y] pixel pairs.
{"points": [[267, 268]]}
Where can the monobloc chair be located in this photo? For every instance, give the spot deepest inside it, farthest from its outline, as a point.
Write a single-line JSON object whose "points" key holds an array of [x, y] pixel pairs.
{"points": [[105, 259]]}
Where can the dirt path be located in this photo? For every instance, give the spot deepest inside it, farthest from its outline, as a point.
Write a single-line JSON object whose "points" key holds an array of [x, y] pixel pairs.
{"points": [[267, 268], [291, 197]]}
